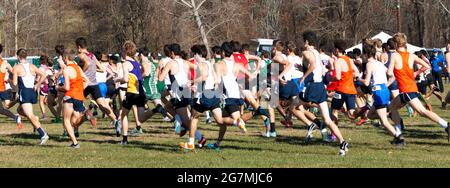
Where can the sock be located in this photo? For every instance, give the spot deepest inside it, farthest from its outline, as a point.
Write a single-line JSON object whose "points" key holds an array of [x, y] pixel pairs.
{"points": [[208, 115], [198, 135], [398, 129], [125, 139], [41, 132], [191, 141], [443, 123], [397, 134], [272, 128], [235, 122], [138, 128]]}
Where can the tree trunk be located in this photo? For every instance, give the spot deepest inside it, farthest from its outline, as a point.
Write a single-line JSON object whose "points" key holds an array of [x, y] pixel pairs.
{"points": [[200, 26], [16, 25]]}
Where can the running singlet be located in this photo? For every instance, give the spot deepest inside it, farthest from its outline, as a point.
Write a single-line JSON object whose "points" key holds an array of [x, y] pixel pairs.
{"points": [[405, 76], [379, 74], [241, 59], [150, 83], [316, 75], [91, 72], [346, 85], [27, 81], [296, 61], [135, 81], [76, 90], [2, 78], [229, 82]]}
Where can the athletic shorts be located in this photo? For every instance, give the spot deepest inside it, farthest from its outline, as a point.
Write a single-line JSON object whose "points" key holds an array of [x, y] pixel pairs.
{"points": [[52, 90], [314, 92], [44, 90], [289, 90], [132, 100], [340, 98], [364, 89], [180, 103], [103, 89], [422, 87], [94, 91], [381, 96], [206, 104], [78, 105], [393, 86], [7, 95], [111, 92], [27, 96], [408, 97], [232, 106]]}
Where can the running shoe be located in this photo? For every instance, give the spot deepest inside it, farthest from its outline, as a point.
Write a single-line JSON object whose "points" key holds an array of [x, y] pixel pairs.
{"points": [[123, 143], [214, 147], [241, 125], [65, 134], [57, 120], [343, 149], [399, 141], [44, 139], [202, 142], [118, 127], [311, 129], [75, 146], [167, 119], [266, 135], [91, 118], [273, 134], [208, 121], [18, 120], [136, 132], [288, 124], [361, 122], [186, 146]]}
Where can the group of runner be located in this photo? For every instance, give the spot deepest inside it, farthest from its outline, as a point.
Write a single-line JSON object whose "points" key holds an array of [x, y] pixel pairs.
{"points": [[230, 85]]}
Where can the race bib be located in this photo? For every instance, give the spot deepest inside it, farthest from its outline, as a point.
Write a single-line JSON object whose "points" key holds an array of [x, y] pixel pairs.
{"points": [[337, 96], [376, 88]]}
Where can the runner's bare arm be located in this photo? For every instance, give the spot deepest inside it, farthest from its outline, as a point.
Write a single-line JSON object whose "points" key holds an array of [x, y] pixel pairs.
{"points": [[338, 69], [390, 71], [309, 56], [15, 75], [40, 74], [165, 71], [66, 86], [369, 72], [100, 67], [425, 65], [146, 67], [125, 70]]}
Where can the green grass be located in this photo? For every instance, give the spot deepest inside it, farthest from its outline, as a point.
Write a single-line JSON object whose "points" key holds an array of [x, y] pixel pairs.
{"points": [[427, 147]]}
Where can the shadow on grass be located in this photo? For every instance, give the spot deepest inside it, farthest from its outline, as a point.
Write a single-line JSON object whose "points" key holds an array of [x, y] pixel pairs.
{"points": [[423, 134]]}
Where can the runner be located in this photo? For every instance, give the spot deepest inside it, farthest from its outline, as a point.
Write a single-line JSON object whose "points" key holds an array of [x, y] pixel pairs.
{"points": [[206, 97], [47, 68], [402, 68], [73, 107], [90, 67], [314, 91], [5, 95], [24, 77], [376, 77], [135, 95], [346, 92], [228, 70]]}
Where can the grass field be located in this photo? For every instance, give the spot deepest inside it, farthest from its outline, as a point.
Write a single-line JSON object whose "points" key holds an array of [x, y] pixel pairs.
{"points": [[369, 147]]}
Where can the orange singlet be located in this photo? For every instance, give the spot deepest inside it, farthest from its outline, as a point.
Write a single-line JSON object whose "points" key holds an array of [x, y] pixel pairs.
{"points": [[76, 90], [346, 85], [2, 78], [405, 76]]}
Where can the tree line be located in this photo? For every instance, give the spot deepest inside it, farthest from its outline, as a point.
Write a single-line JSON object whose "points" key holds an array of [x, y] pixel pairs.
{"points": [[39, 25]]}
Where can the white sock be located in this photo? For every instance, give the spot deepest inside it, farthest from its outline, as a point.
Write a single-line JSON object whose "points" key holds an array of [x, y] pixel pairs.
{"points": [[398, 129], [208, 116], [235, 122], [397, 134], [191, 141], [443, 123]]}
